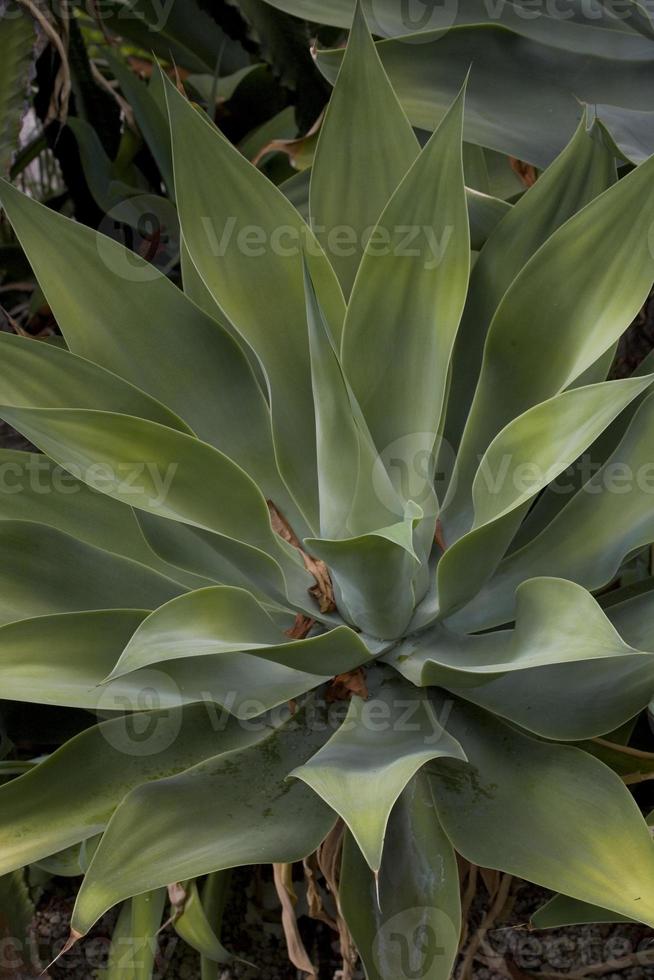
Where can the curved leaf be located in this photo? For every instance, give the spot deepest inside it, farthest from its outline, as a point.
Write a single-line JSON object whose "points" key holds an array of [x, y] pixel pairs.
{"points": [[566, 64], [42, 376], [210, 819], [407, 922], [134, 940], [45, 571], [583, 170], [194, 927], [242, 230], [114, 309], [484, 210], [593, 843], [59, 660], [408, 298], [215, 621], [608, 518], [34, 488], [357, 496], [71, 795], [522, 459], [584, 308], [374, 575], [161, 471], [564, 672], [563, 911], [349, 190], [367, 763]]}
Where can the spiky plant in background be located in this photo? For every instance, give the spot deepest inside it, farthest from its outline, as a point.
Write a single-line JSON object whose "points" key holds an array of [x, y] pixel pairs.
{"points": [[535, 63], [249, 548]]}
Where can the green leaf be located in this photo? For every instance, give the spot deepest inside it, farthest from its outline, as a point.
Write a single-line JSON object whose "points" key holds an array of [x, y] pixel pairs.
{"points": [[357, 496], [484, 214], [219, 559], [609, 517], [71, 795], [215, 621], [16, 916], [114, 309], [520, 65], [134, 941], [183, 34], [34, 488], [46, 571], [195, 925], [563, 673], [389, 19], [65, 659], [633, 618], [367, 763], [484, 210], [407, 922], [162, 472], [374, 574], [66, 863], [562, 911], [522, 459], [42, 376], [408, 298], [349, 190], [150, 119], [583, 170], [283, 822], [593, 843], [630, 130], [18, 46], [582, 310], [245, 221]]}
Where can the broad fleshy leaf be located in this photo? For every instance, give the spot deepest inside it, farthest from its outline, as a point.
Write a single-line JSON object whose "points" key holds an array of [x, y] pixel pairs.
{"points": [[583, 310], [71, 795], [407, 921], [583, 170], [283, 823], [609, 517], [215, 621], [358, 164], [71, 575], [366, 764], [527, 455], [564, 672], [242, 229], [114, 309], [408, 298], [593, 843], [66, 658]]}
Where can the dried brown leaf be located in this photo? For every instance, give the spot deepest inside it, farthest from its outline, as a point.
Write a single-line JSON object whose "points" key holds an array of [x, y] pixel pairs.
{"points": [[282, 874]]}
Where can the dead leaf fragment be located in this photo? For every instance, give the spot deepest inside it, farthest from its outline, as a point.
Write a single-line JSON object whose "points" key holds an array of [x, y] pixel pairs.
{"points": [[525, 171], [297, 954], [344, 686], [323, 590]]}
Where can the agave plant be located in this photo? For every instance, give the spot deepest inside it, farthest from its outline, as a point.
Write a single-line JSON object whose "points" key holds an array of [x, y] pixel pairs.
{"points": [[535, 63], [314, 537]]}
